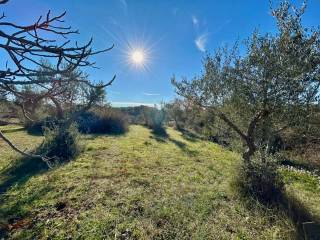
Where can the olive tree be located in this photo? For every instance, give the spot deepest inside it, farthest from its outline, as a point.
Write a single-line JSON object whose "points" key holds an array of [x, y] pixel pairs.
{"points": [[267, 87]]}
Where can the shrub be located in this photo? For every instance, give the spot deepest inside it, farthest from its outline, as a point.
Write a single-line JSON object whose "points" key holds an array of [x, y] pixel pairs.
{"points": [[61, 143], [155, 119], [260, 179], [111, 121], [86, 122], [37, 127]]}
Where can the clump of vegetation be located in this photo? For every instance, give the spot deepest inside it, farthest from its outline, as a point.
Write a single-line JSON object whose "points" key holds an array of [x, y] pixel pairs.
{"points": [[37, 127], [61, 143], [108, 121], [265, 90], [260, 179], [48, 76], [155, 120]]}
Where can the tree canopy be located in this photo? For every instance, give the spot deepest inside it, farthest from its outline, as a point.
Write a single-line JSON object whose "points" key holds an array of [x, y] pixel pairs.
{"points": [[277, 75]]}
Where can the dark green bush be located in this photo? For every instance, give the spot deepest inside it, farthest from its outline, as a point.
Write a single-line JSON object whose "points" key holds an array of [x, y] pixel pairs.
{"points": [[37, 127], [61, 143], [87, 122], [109, 122], [260, 180]]}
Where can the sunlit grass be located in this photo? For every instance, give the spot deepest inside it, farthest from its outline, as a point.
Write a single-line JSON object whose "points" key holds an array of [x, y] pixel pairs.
{"points": [[137, 186]]}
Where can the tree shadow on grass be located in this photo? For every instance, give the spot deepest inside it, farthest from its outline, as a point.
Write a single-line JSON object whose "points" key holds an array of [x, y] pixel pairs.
{"points": [[17, 175], [300, 165], [189, 136], [15, 216], [159, 134], [301, 216], [164, 137], [295, 210], [20, 171], [94, 136], [184, 147]]}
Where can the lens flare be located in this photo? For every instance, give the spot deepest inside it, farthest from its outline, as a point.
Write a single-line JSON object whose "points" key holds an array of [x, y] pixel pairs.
{"points": [[138, 57]]}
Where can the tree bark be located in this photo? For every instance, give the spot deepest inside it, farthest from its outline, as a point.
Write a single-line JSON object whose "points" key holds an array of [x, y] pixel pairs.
{"points": [[59, 110], [247, 138]]}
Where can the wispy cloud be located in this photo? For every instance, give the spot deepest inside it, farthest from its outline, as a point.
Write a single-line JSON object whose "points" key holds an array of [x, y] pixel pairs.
{"points": [[201, 42], [195, 21], [124, 4], [151, 94]]}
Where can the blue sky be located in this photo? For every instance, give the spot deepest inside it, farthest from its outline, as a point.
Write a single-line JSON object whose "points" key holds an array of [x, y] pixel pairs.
{"points": [[174, 34]]}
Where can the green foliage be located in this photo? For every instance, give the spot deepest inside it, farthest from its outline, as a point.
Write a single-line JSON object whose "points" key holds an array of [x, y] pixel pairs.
{"points": [[155, 120], [38, 127], [176, 111], [61, 143], [260, 179], [135, 114], [268, 87], [108, 121]]}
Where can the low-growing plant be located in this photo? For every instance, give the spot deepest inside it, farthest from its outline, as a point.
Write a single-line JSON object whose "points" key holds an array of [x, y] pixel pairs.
{"points": [[37, 127], [260, 179], [155, 120], [108, 121], [61, 143]]}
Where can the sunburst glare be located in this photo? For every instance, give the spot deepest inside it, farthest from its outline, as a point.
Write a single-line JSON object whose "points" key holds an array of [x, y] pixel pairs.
{"points": [[138, 57]]}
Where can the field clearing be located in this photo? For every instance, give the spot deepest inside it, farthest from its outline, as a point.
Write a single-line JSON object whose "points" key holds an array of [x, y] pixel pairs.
{"points": [[139, 186]]}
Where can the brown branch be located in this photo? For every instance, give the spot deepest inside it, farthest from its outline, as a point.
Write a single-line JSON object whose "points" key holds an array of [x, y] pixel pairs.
{"points": [[23, 153]]}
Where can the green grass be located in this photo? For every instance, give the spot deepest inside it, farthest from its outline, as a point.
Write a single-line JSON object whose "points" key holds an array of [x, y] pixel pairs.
{"points": [[136, 186]]}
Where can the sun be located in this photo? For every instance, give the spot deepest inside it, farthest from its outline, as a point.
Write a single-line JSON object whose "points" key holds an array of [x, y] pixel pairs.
{"points": [[138, 57]]}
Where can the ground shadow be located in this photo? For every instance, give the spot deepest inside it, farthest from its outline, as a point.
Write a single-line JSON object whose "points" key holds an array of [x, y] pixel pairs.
{"points": [[184, 147], [93, 136], [160, 132], [301, 215], [163, 138], [295, 210], [300, 165], [16, 175], [159, 139], [189, 136], [20, 171]]}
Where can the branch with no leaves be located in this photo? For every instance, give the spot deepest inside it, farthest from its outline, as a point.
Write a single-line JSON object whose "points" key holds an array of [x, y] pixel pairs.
{"points": [[29, 48], [24, 153]]}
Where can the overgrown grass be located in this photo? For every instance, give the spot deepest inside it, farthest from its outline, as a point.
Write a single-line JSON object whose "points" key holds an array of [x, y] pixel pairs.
{"points": [[137, 186]]}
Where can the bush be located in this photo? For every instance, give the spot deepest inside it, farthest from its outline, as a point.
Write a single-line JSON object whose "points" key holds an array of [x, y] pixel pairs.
{"points": [[37, 127], [260, 179], [155, 119], [86, 122], [61, 143], [111, 121]]}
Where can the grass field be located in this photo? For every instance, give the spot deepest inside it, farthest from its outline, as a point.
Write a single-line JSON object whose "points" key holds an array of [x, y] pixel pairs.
{"points": [[139, 186]]}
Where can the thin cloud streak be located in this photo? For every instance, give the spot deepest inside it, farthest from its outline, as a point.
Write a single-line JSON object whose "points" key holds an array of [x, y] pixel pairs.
{"points": [[195, 21], [201, 42], [124, 4]]}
